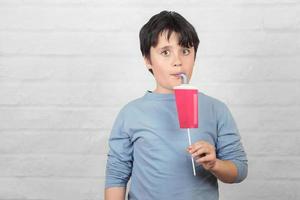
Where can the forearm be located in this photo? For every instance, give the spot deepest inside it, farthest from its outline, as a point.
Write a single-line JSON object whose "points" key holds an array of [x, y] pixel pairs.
{"points": [[225, 171], [115, 193]]}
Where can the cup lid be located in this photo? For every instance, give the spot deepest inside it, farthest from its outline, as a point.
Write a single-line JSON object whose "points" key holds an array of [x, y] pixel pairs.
{"points": [[185, 86]]}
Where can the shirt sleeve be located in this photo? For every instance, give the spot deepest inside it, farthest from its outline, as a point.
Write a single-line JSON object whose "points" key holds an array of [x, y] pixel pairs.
{"points": [[119, 160], [229, 146]]}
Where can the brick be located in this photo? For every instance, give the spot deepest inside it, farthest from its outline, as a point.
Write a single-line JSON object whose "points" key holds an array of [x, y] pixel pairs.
{"points": [[87, 94], [60, 165], [60, 188], [261, 189], [254, 44], [103, 18], [252, 94], [57, 119], [59, 94], [276, 144], [54, 142], [246, 69], [242, 44], [56, 165], [67, 44], [248, 118], [105, 69], [138, 3], [282, 18], [72, 69], [266, 118], [273, 168], [58, 59]]}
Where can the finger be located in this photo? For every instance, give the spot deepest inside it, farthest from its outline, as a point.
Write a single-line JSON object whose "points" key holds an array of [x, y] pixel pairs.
{"points": [[206, 159], [198, 152], [194, 147], [196, 144], [201, 152]]}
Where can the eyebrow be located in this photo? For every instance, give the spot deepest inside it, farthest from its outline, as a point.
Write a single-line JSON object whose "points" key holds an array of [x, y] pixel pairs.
{"points": [[165, 47], [169, 46]]}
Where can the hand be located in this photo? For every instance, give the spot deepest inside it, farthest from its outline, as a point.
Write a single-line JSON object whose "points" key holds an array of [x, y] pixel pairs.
{"points": [[204, 154]]}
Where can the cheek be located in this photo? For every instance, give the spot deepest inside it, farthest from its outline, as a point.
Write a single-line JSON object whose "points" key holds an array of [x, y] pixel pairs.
{"points": [[189, 60], [188, 63], [161, 65], [163, 73], [163, 62]]}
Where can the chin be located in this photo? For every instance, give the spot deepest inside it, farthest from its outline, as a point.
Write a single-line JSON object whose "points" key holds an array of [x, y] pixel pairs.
{"points": [[174, 84]]}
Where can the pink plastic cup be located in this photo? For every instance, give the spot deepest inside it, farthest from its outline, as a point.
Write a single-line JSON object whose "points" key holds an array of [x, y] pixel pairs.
{"points": [[186, 97]]}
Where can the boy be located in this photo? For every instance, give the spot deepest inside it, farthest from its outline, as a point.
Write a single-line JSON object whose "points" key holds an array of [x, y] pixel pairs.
{"points": [[146, 143]]}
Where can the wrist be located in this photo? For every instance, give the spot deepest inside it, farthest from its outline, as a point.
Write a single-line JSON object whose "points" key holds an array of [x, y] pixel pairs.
{"points": [[216, 167]]}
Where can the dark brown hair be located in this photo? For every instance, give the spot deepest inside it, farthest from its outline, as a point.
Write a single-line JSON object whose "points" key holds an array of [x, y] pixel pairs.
{"points": [[167, 21]]}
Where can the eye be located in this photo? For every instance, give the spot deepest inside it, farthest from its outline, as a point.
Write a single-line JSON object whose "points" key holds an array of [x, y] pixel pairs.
{"points": [[165, 52], [186, 51]]}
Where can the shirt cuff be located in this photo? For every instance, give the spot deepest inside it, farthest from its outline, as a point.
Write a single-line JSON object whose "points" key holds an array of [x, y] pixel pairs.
{"points": [[242, 168]]}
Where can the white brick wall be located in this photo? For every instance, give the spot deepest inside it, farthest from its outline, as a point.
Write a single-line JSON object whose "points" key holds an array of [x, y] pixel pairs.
{"points": [[58, 57]]}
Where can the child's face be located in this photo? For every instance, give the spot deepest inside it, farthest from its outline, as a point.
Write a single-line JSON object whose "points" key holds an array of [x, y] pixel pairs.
{"points": [[168, 58]]}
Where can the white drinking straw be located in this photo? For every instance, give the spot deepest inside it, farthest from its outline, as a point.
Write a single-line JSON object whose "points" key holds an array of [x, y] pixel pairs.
{"points": [[184, 80], [190, 143]]}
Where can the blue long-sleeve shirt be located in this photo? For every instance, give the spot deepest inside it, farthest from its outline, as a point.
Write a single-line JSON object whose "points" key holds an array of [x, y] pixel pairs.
{"points": [[147, 145]]}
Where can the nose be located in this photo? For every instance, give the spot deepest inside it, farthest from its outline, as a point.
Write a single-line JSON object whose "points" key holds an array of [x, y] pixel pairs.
{"points": [[177, 61]]}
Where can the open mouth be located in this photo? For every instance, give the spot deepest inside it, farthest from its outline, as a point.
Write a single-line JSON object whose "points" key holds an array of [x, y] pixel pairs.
{"points": [[176, 75]]}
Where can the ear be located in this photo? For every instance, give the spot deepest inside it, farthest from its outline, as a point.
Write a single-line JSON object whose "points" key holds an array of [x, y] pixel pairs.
{"points": [[147, 63]]}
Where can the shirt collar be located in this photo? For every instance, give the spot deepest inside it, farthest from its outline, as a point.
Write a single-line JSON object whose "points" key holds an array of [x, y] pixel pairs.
{"points": [[159, 96]]}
